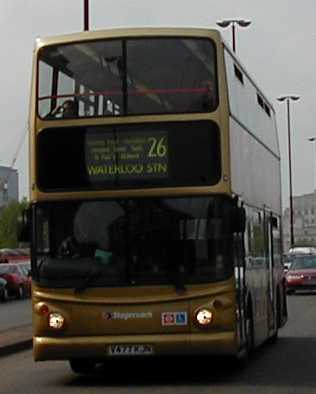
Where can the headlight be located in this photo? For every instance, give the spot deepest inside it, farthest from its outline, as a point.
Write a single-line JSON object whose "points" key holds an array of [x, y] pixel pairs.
{"points": [[204, 317], [56, 321]]}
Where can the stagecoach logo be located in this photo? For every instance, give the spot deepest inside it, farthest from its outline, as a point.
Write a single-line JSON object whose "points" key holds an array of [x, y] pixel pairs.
{"points": [[126, 315], [174, 319]]}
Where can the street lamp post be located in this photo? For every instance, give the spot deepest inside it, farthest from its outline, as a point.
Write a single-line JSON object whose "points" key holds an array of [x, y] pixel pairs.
{"points": [[313, 139], [86, 15], [233, 22], [287, 99]]}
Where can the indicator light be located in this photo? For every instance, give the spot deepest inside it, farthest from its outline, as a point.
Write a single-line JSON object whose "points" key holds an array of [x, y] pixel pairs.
{"points": [[41, 308]]}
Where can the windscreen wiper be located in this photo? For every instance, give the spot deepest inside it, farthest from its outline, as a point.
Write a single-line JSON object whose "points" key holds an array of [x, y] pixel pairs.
{"points": [[177, 277], [93, 274]]}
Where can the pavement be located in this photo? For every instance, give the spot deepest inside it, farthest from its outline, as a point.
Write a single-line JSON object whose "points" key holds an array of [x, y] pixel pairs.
{"points": [[15, 339]]}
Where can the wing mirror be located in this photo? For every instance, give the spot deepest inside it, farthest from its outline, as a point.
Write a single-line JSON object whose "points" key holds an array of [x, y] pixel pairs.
{"points": [[239, 220], [24, 224]]}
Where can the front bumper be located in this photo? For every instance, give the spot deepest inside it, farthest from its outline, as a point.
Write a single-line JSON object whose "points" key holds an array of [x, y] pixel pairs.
{"points": [[221, 343]]}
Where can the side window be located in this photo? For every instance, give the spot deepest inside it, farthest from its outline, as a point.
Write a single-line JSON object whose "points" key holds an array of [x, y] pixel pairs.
{"points": [[45, 88], [66, 85], [256, 238], [276, 239], [42, 232]]}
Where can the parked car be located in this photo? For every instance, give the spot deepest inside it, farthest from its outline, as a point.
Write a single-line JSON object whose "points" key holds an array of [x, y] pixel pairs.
{"points": [[26, 269], [301, 274], [18, 281], [302, 250], [3, 290], [287, 259], [8, 255]]}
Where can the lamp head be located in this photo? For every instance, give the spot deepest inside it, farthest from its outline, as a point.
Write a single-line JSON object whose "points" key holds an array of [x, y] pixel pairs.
{"points": [[224, 23], [282, 98], [243, 23]]}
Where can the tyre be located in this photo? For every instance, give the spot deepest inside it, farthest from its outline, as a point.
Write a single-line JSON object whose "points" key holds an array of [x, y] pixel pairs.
{"points": [[5, 295], [274, 338], [243, 356], [284, 305], [82, 366], [21, 293], [275, 335], [249, 332]]}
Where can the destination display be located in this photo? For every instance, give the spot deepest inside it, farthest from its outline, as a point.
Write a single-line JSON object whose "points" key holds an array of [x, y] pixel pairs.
{"points": [[129, 155], [132, 156]]}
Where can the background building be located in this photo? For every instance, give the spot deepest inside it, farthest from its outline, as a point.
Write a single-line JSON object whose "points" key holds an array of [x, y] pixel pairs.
{"points": [[9, 185], [304, 212]]}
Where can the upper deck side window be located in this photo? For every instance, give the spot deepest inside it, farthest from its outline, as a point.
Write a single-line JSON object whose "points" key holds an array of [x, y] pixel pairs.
{"points": [[239, 75], [263, 104], [119, 77]]}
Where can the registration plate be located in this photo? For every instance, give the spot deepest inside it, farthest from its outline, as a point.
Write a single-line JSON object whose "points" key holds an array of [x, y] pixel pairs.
{"points": [[130, 350]]}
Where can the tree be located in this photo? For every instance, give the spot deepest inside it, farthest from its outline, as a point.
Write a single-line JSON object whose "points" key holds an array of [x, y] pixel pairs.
{"points": [[9, 217]]}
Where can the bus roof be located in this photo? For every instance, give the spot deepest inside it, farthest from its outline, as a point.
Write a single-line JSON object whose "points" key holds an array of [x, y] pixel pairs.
{"points": [[128, 32]]}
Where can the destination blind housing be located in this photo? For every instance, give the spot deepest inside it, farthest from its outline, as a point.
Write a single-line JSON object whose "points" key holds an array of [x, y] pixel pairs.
{"points": [[124, 156]]}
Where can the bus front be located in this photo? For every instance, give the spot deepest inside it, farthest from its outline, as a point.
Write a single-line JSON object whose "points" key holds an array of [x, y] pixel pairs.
{"points": [[133, 224]]}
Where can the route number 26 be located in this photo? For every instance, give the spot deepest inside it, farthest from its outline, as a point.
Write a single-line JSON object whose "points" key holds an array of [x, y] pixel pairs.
{"points": [[158, 147]]}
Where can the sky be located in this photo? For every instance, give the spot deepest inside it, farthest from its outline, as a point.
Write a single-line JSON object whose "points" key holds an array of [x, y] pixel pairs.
{"points": [[278, 50]]}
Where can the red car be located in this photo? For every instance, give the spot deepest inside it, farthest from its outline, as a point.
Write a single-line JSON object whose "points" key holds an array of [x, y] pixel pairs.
{"points": [[13, 255], [301, 274], [18, 280]]}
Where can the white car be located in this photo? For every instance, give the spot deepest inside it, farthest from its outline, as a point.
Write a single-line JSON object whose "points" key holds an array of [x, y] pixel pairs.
{"points": [[302, 250]]}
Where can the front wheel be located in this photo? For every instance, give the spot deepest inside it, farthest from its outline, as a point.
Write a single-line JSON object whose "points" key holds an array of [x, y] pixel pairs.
{"points": [[21, 293], [243, 355], [274, 337], [249, 333], [5, 295], [82, 366]]}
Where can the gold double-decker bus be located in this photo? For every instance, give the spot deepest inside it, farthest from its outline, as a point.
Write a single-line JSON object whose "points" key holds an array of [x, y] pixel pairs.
{"points": [[155, 202]]}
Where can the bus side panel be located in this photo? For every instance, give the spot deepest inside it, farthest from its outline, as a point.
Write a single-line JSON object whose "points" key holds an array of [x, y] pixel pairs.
{"points": [[249, 106], [255, 171], [256, 179], [254, 146]]}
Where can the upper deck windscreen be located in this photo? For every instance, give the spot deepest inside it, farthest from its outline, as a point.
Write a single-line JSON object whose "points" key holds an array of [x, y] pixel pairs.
{"points": [[120, 77]]}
